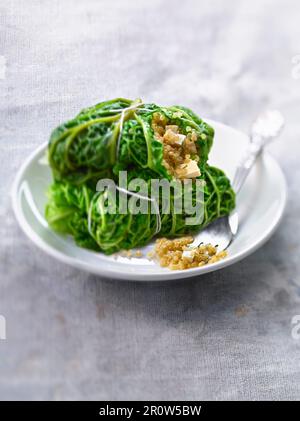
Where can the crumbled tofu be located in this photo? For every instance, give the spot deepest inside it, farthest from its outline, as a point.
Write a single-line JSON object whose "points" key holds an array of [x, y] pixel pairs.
{"points": [[188, 254], [189, 170], [180, 139], [170, 136], [192, 169]]}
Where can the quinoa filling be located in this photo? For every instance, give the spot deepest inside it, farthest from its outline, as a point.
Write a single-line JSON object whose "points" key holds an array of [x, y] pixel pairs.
{"points": [[170, 254], [180, 152], [180, 158]]}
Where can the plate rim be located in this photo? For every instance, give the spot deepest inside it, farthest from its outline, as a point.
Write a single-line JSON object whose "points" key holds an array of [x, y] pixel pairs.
{"points": [[144, 277]]}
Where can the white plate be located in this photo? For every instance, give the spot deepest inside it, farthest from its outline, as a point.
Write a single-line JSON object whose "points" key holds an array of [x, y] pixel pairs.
{"points": [[260, 205]]}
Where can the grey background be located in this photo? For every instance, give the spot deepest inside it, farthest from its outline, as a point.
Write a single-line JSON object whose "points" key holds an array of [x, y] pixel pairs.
{"points": [[71, 335]]}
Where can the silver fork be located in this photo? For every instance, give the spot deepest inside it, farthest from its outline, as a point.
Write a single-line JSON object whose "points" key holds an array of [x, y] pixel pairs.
{"points": [[222, 231]]}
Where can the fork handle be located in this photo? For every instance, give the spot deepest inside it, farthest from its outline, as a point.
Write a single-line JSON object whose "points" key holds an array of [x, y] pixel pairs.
{"points": [[243, 169]]}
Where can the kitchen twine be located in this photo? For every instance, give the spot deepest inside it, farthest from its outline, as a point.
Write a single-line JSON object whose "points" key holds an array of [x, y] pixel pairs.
{"points": [[123, 111], [121, 189]]}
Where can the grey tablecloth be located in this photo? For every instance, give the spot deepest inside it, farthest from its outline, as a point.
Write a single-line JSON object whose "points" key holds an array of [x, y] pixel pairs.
{"points": [[71, 335]]}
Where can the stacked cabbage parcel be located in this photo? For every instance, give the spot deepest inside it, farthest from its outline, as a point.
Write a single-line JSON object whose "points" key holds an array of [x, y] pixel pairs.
{"points": [[149, 142]]}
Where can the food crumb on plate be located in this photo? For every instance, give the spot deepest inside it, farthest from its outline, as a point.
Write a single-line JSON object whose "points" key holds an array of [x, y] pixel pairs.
{"points": [[128, 253]]}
